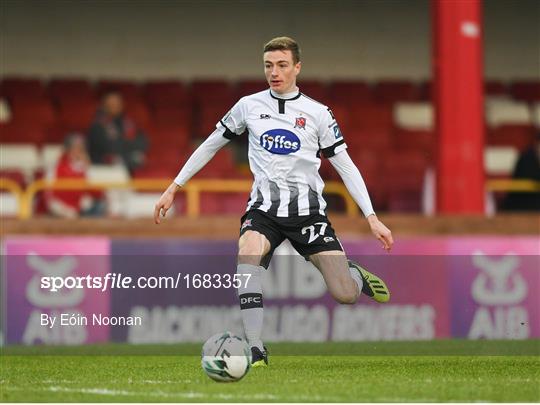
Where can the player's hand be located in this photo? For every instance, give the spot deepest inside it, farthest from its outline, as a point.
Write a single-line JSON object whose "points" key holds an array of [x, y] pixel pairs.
{"points": [[164, 203], [381, 232]]}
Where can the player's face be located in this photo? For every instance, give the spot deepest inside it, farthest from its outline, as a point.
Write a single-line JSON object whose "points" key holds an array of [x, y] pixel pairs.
{"points": [[281, 71]]}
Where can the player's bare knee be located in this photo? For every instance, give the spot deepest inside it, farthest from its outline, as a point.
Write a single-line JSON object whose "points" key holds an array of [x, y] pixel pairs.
{"points": [[252, 246], [346, 294]]}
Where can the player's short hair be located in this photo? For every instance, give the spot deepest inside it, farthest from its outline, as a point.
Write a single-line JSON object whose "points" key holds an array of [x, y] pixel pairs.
{"points": [[284, 44]]}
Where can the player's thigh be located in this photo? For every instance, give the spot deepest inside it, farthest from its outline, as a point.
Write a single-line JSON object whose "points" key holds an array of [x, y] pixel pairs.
{"points": [[334, 268], [252, 246]]}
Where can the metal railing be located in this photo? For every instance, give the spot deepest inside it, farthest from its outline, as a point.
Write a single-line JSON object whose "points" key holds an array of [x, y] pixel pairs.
{"points": [[194, 188]]}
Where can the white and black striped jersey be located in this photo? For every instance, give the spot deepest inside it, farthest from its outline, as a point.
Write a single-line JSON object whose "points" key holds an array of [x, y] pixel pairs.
{"points": [[287, 134]]}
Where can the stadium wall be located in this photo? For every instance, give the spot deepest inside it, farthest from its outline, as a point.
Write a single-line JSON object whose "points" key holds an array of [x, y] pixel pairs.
{"points": [[369, 39]]}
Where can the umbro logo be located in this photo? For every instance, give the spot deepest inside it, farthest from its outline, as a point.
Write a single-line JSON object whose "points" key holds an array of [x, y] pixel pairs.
{"points": [[265, 116]]}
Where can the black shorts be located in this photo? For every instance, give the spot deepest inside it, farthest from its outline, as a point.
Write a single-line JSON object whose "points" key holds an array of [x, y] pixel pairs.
{"points": [[308, 234]]}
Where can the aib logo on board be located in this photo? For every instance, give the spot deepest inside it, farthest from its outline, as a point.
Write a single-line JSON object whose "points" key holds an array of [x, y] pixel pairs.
{"points": [[280, 141]]}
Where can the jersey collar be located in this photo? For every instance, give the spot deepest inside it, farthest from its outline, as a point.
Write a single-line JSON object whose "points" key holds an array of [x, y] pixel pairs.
{"points": [[293, 95]]}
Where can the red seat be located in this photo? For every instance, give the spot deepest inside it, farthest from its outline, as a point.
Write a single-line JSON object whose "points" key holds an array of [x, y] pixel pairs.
{"points": [[404, 173], [130, 90], [425, 90], [16, 88], [76, 114], [391, 91], [138, 112], [348, 93], [377, 140], [14, 175], [419, 140], [314, 89], [371, 116], [247, 87], [175, 138], [37, 112], [223, 203], [518, 136], [70, 90], [221, 166], [495, 88], [208, 117], [369, 164], [166, 94], [212, 92], [528, 91], [167, 116], [26, 132]]}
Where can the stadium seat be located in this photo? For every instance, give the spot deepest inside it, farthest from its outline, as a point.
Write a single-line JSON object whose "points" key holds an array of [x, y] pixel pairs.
{"points": [[76, 114], [130, 90], [392, 91], [507, 111], [495, 88], [14, 133], [348, 93], [8, 205], [518, 136], [170, 115], [20, 157], [208, 117], [528, 91], [500, 160], [70, 90], [166, 94], [414, 116], [50, 155], [404, 173], [246, 87], [17, 88], [141, 205], [39, 112], [223, 203], [314, 89], [221, 166], [212, 92], [371, 116], [370, 165], [414, 139], [138, 112]]}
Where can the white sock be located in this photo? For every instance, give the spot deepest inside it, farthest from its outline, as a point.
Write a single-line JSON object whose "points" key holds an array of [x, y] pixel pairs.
{"points": [[251, 303], [357, 278]]}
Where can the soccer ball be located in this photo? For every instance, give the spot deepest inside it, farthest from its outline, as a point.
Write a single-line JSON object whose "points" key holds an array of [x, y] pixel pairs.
{"points": [[226, 357]]}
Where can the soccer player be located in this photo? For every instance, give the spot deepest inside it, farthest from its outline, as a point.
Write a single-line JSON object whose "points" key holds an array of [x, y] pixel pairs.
{"points": [[288, 131]]}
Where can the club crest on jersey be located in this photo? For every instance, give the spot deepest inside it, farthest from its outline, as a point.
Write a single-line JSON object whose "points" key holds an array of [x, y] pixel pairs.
{"points": [[280, 141], [300, 123]]}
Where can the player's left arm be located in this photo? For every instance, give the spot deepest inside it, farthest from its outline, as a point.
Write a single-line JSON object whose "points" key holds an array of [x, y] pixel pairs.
{"points": [[354, 182], [333, 147]]}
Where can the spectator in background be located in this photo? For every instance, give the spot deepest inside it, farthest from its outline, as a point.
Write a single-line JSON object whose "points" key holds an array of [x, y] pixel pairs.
{"points": [[73, 164], [114, 138], [527, 168]]}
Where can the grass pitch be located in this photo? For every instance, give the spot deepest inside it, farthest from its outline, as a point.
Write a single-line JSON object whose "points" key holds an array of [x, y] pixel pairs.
{"points": [[330, 372]]}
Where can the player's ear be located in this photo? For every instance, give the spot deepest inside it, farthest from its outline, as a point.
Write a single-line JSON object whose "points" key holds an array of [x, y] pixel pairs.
{"points": [[298, 67]]}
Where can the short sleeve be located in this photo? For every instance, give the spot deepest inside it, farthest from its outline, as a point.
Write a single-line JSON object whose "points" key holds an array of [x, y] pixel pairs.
{"points": [[330, 137], [234, 121]]}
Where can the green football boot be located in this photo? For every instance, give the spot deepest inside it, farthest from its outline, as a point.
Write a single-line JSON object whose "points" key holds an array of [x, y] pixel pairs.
{"points": [[259, 358], [373, 286]]}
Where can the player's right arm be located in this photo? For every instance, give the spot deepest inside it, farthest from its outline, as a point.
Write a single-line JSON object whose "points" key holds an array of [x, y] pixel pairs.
{"points": [[232, 124]]}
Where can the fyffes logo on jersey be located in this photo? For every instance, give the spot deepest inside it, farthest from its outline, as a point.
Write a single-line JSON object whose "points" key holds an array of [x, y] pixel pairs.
{"points": [[280, 141]]}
